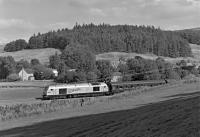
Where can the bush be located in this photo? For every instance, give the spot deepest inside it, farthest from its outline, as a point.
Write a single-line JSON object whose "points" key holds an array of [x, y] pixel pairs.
{"points": [[41, 72], [91, 77], [13, 77]]}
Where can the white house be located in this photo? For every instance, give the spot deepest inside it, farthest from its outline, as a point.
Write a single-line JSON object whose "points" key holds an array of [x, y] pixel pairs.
{"points": [[55, 72], [26, 74]]}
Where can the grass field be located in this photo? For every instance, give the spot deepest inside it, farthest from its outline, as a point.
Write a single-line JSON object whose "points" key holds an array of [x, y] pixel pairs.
{"points": [[36, 83], [41, 54], [22, 91], [115, 56]]}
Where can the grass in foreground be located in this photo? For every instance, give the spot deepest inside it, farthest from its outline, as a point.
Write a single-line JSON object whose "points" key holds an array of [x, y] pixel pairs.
{"points": [[172, 118]]}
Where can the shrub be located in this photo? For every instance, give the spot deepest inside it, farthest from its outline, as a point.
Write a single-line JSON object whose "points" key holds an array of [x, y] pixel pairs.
{"points": [[91, 76], [13, 77], [42, 72]]}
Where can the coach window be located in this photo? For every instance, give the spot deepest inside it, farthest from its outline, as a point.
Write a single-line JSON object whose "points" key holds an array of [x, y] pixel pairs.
{"points": [[96, 88]]}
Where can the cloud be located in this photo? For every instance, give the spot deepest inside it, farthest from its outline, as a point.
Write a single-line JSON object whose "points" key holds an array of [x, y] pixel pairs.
{"points": [[7, 23], [58, 25], [25, 17], [3, 40], [119, 11], [97, 11]]}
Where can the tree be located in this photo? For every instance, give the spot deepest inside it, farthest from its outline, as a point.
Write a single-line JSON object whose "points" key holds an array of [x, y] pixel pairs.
{"points": [[104, 70], [54, 61], [42, 72], [91, 76], [35, 62], [16, 45], [7, 66], [78, 57], [22, 64], [122, 38], [123, 68]]}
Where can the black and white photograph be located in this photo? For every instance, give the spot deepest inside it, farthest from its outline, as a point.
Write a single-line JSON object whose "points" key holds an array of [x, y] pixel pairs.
{"points": [[99, 68]]}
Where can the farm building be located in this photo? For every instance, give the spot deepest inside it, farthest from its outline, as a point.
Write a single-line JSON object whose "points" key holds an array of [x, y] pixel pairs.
{"points": [[116, 76], [55, 72], [26, 74]]}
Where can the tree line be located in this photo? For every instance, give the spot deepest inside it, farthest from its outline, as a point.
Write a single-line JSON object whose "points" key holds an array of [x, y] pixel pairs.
{"points": [[77, 63], [86, 69], [9, 69], [192, 36], [107, 38]]}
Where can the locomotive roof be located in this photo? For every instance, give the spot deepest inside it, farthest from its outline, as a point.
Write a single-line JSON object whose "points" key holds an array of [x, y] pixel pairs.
{"points": [[78, 85]]}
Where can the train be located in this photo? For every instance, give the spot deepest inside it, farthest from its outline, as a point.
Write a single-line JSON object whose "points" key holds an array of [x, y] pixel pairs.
{"points": [[61, 91]]}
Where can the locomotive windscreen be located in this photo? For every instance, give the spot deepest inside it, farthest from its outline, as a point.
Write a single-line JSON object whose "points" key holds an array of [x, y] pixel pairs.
{"points": [[96, 88]]}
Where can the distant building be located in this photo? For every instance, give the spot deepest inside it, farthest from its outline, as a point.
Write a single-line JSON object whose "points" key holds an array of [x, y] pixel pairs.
{"points": [[116, 76], [26, 74], [55, 72], [71, 70]]}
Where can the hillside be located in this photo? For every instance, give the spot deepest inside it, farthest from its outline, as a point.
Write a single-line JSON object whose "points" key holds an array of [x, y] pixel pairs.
{"points": [[191, 35], [114, 57], [41, 54], [110, 38]]}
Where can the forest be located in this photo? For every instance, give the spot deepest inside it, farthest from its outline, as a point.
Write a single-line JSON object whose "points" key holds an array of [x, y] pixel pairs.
{"points": [[191, 35], [108, 38]]}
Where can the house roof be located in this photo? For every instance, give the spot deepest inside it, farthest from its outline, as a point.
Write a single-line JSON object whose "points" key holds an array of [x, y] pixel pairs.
{"points": [[29, 71]]}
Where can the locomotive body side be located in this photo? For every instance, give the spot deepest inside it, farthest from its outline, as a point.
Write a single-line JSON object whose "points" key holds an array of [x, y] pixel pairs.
{"points": [[75, 90]]}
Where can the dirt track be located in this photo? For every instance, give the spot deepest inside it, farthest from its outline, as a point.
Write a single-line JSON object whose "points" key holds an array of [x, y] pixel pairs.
{"points": [[172, 118]]}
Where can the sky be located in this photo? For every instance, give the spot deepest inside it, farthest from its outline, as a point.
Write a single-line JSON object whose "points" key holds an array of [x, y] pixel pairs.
{"points": [[23, 18]]}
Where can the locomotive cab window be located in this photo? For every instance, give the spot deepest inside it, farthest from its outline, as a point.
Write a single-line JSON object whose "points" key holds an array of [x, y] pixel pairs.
{"points": [[62, 91], [96, 88]]}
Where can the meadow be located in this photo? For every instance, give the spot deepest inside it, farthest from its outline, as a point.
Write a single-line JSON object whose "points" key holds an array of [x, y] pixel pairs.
{"points": [[41, 54]]}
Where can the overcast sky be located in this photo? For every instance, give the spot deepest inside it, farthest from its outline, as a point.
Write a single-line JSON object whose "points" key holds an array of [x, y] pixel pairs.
{"points": [[22, 18]]}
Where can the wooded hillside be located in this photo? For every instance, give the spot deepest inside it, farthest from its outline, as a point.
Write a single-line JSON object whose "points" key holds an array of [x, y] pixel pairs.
{"points": [[107, 38], [192, 35]]}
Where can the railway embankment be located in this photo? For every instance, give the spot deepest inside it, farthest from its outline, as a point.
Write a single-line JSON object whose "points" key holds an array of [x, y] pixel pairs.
{"points": [[48, 110]]}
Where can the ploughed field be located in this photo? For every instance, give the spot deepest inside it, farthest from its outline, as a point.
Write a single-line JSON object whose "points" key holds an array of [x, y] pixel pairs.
{"points": [[178, 117]]}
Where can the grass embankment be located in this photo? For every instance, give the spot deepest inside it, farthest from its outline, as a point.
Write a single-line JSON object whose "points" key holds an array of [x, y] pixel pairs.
{"points": [[24, 110], [24, 84]]}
